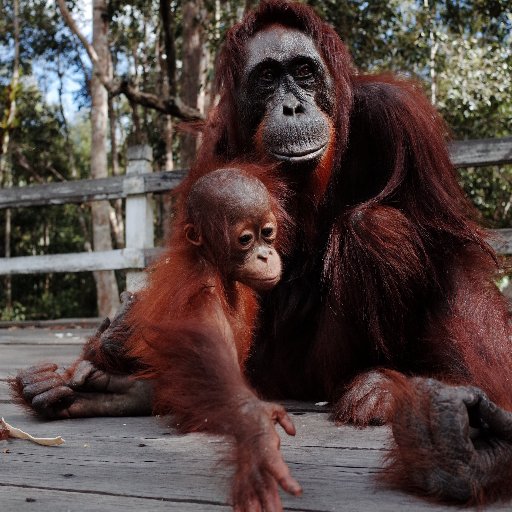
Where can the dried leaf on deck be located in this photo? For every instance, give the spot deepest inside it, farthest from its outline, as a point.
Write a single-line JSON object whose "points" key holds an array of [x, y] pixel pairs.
{"points": [[20, 434]]}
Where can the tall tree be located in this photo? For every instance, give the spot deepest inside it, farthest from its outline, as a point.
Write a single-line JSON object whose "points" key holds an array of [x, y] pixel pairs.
{"points": [[195, 57], [106, 284], [168, 68], [172, 104]]}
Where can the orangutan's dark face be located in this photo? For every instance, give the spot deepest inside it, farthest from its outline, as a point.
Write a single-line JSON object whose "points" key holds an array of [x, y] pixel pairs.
{"points": [[285, 97]]}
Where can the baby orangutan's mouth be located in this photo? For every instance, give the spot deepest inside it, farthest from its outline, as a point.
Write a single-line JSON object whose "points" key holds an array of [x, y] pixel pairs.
{"points": [[263, 284]]}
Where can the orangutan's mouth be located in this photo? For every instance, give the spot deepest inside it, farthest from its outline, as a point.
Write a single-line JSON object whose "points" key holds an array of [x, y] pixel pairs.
{"points": [[300, 156]]}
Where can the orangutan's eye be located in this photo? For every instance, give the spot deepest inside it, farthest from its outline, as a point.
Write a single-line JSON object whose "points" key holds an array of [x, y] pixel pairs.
{"points": [[267, 76], [245, 239], [267, 232], [303, 71]]}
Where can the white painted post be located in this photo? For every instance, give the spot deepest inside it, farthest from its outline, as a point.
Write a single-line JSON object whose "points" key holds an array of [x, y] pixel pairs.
{"points": [[139, 208]]}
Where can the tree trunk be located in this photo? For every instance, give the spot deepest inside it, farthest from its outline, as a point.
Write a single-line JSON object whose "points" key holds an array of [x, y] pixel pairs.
{"points": [[434, 47], [167, 63], [194, 58], [106, 285], [167, 200], [116, 212]]}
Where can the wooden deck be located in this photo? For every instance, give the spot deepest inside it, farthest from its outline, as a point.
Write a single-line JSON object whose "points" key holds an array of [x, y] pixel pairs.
{"points": [[137, 464]]}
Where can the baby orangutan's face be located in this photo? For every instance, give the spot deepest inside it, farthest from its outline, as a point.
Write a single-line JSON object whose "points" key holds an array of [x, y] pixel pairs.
{"points": [[256, 262], [235, 227]]}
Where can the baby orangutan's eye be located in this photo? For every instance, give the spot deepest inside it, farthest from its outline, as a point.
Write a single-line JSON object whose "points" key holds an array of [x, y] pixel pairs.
{"points": [[245, 239], [267, 232]]}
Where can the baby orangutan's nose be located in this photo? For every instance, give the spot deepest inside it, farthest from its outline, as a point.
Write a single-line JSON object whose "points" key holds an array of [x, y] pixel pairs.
{"points": [[263, 253]]}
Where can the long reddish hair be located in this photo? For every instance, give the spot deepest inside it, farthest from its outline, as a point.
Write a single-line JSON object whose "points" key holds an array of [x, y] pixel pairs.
{"points": [[221, 132]]}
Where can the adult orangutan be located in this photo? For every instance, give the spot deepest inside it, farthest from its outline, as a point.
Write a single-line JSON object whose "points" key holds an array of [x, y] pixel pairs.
{"points": [[386, 306]]}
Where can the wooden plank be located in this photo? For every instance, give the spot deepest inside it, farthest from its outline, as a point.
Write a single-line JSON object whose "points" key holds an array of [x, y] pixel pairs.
{"points": [[139, 221], [79, 191], [179, 467], [124, 463], [17, 357], [313, 430], [82, 191], [144, 460], [31, 499], [60, 336], [57, 323], [161, 182], [116, 259], [478, 153]]}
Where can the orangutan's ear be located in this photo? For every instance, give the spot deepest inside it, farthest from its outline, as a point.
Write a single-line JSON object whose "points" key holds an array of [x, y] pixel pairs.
{"points": [[192, 235]]}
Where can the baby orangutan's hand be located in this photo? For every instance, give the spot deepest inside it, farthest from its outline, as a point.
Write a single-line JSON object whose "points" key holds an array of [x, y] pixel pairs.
{"points": [[260, 465]]}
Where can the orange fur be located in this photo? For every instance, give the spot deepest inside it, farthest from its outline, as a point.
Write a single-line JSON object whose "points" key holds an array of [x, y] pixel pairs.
{"points": [[321, 176]]}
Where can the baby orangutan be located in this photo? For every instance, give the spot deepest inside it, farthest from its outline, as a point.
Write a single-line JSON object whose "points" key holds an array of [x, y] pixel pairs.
{"points": [[194, 332], [189, 334]]}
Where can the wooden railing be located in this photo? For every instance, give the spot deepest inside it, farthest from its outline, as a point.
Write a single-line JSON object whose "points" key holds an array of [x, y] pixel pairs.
{"points": [[137, 186]]}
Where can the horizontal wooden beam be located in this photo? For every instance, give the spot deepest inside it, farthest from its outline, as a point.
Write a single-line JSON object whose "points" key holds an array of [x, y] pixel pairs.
{"points": [[123, 259], [478, 153], [57, 323], [74, 262], [82, 191], [470, 153], [502, 241]]}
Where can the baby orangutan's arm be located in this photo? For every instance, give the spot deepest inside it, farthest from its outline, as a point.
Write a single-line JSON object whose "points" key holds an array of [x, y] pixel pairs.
{"points": [[198, 380]]}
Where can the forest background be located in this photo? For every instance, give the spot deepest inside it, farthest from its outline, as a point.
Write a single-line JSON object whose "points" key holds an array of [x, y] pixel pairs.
{"points": [[79, 80]]}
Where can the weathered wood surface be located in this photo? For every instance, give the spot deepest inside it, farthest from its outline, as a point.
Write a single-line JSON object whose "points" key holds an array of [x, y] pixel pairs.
{"points": [[137, 464], [58, 323], [139, 232], [116, 259], [74, 262], [61, 336], [478, 153], [83, 191]]}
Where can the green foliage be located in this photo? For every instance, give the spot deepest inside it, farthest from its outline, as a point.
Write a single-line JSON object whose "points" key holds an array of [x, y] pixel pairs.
{"points": [[15, 313], [54, 296], [490, 189], [40, 153]]}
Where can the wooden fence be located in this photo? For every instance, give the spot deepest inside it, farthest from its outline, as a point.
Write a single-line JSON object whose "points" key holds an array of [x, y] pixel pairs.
{"points": [[137, 186]]}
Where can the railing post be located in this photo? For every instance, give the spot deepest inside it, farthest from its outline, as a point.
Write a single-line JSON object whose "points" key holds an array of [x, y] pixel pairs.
{"points": [[139, 208]]}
